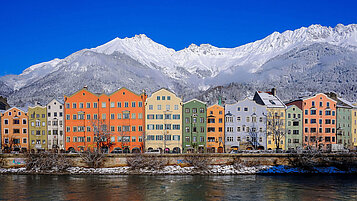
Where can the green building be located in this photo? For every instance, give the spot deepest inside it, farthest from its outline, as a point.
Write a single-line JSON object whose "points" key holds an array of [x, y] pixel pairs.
{"points": [[37, 128], [344, 134], [344, 120], [293, 128], [194, 114]]}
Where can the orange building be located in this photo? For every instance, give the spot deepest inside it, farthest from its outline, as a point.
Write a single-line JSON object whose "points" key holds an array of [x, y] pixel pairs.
{"points": [[14, 126], [319, 121], [215, 129], [120, 115]]}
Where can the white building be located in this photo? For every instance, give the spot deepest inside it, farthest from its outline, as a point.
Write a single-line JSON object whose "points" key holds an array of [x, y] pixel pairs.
{"points": [[55, 125]]}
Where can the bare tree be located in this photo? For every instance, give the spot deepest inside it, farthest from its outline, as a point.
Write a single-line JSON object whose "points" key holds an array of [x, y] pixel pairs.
{"points": [[275, 128], [102, 135], [8, 147]]}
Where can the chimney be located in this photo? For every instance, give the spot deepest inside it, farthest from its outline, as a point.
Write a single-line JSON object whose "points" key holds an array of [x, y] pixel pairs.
{"points": [[85, 87], [273, 91]]}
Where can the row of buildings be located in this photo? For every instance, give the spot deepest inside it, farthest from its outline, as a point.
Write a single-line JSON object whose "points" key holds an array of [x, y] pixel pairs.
{"points": [[129, 122]]}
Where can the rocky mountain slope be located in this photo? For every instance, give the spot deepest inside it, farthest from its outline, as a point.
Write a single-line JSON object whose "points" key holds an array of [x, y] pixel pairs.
{"points": [[300, 62]]}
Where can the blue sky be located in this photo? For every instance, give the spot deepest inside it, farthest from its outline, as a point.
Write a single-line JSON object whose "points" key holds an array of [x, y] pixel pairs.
{"points": [[36, 31]]}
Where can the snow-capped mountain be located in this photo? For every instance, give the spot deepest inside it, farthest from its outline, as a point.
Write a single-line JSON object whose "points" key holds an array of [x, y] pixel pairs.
{"points": [[141, 63]]}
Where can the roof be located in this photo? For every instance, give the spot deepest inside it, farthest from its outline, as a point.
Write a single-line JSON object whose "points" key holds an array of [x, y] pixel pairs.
{"points": [[345, 103], [270, 100], [195, 100]]}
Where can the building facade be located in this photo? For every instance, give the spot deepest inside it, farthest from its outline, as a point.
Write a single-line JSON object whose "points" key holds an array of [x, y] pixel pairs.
{"points": [[127, 120], [319, 117], [3, 104], [344, 110], [245, 126], [215, 129], [354, 127], [163, 120], [275, 118], [37, 128], [109, 122], [294, 121], [194, 124], [55, 125], [14, 125]]}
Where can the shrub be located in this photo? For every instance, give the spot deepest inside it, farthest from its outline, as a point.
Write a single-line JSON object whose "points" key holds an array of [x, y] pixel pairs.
{"points": [[46, 161], [139, 161], [199, 162], [93, 159]]}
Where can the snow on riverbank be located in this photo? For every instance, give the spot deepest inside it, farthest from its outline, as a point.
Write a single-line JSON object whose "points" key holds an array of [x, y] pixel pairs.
{"points": [[177, 170]]}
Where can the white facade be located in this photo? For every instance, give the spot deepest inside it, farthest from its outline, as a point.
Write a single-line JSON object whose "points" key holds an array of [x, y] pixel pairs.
{"points": [[55, 125]]}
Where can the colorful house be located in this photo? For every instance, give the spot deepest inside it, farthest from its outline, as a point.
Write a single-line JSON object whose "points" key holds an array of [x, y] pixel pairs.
{"points": [[294, 121], [275, 118], [245, 125], [344, 120], [37, 128], [55, 125], [215, 129], [110, 122], [319, 127], [354, 127], [194, 136], [163, 122], [127, 120], [14, 125]]}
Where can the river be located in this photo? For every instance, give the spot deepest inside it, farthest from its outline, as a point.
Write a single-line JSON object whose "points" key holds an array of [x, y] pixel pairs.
{"points": [[114, 187]]}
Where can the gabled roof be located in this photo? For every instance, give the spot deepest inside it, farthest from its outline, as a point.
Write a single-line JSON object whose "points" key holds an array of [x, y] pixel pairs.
{"points": [[124, 88], [270, 100], [215, 105], [195, 100], [23, 110], [60, 101]]}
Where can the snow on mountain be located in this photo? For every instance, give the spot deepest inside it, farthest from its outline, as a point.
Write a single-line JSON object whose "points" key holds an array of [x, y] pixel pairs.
{"points": [[121, 62], [31, 74], [208, 61]]}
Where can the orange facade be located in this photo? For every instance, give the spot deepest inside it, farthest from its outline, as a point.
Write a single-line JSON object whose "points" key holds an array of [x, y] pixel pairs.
{"points": [[122, 113], [14, 126], [319, 121], [215, 129]]}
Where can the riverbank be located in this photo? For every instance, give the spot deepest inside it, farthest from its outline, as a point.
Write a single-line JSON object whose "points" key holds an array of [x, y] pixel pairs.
{"points": [[178, 170]]}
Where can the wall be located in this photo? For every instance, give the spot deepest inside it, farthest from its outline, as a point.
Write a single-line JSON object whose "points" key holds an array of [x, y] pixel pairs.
{"points": [[117, 160]]}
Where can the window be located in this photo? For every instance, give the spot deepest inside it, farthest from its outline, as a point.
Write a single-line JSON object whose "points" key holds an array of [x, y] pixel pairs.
{"points": [[245, 109], [321, 105], [95, 105], [126, 104], [133, 104], [6, 121], [167, 126], [159, 137], [313, 121], [159, 127], [328, 104], [175, 107], [313, 103], [140, 104], [112, 116], [306, 112], [119, 128], [167, 116], [327, 112], [187, 139], [104, 116], [140, 128], [167, 107], [158, 107], [119, 104], [140, 115], [104, 104], [150, 116], [74, 105], [151, 107], [202, 110], [229, 139], [163, 97], [176, 116], [176, 138], [157, 97], [67, 105], [133, 115], [133, 128], [194, 110], [95, 116], [176, 127], [313, 112]]}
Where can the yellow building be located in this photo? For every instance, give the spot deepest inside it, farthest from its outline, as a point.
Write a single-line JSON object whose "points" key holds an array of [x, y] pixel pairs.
{"points": [[163, 121], [275, 118], [37, 128], [354, 127]]}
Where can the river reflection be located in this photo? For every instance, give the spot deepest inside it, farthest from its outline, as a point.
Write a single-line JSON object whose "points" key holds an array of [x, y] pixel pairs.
{"points": [[114, 187]]}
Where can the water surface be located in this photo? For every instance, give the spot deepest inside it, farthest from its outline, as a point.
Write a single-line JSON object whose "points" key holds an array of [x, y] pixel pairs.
{"points": [[118, 187]]}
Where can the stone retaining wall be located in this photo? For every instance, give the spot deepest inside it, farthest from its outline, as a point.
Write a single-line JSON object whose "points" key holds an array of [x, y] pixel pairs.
{"points": [[119, 160]]}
